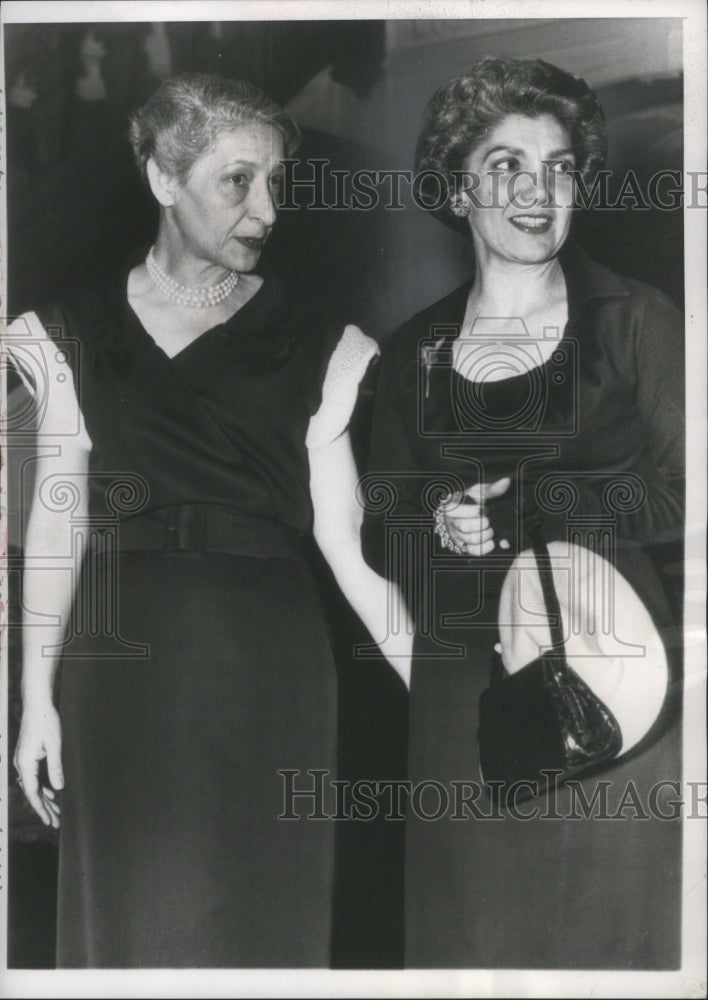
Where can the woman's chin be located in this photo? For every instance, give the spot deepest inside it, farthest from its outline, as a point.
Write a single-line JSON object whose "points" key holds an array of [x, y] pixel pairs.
{"points": [[244, 260], [537, 253]]}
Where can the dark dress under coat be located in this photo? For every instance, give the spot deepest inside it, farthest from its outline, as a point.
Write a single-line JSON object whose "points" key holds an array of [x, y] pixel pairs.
{"points": [[592, 440]]}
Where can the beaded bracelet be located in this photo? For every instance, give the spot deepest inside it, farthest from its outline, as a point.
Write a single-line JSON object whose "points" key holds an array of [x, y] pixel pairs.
{"points": [[442, 532], [444, 535]]}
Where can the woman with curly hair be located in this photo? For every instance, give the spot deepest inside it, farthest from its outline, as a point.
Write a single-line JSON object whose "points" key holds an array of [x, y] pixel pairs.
{"points": [[544, 394]]}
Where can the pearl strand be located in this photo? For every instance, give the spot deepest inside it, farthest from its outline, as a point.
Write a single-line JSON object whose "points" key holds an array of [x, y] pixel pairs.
{"points": [[184, 295]]}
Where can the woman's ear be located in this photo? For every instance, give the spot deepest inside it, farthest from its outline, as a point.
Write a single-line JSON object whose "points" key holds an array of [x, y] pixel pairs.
{"points": [[161, 184], [460, 206]]}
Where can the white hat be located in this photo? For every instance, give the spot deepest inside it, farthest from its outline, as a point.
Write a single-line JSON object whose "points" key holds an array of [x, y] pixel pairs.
{"points": [[611, 639]]}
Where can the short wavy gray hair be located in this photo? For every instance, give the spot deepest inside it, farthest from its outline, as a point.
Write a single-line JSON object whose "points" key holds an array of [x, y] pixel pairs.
{"points": [[187, 113]]}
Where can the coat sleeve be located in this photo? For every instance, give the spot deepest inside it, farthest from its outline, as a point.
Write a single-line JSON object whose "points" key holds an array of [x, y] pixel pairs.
{"points": [[659, 354], [646, 501], [387, 490], [399, 493]]}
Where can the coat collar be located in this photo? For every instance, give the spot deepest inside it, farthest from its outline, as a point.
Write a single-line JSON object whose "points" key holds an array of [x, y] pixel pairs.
{"points": [[586, 279]]}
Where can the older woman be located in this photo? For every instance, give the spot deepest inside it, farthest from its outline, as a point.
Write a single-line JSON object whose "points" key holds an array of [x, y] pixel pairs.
{"points": [[204, 416], [545, 390]]}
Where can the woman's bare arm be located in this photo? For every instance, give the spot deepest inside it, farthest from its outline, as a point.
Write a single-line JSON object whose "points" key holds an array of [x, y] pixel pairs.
{"points": [[338, 518], [51, 568]]}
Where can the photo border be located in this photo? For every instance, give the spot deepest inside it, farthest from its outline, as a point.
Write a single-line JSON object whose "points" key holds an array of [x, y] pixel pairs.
{"points": [[689, 981]]}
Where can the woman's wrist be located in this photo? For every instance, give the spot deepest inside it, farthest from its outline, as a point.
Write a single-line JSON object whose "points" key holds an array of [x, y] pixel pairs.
{"points": [[37, 695], [441, 530]]}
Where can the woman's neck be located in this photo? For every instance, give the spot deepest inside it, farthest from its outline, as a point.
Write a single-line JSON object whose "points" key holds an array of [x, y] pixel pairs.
{"points": [[507, 289], [172, 256]]}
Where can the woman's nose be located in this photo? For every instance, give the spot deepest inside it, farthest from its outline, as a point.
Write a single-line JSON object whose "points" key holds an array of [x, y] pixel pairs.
{"points": [[531, 187], [262, 205]]}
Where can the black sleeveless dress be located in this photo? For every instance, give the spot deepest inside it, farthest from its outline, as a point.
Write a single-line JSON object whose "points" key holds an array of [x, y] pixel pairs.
{"points": [[198, 665], [592, 441]]}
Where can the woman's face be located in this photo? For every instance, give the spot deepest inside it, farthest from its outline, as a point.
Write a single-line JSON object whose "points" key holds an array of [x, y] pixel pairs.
{"points": [[520, 217], [225, 210]]}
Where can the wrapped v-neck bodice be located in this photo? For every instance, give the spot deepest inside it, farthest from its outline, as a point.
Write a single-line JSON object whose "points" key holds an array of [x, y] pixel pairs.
{"points": [[222, 422]]}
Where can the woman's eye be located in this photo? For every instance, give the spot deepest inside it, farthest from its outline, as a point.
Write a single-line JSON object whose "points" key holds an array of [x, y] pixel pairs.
{"points": [[276, 182], [239, 180], [508, 163], [561, 166]]}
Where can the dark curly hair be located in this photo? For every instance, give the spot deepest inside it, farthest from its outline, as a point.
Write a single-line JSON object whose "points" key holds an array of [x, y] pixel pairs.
{"points": [[186, 114], [463, 110]]}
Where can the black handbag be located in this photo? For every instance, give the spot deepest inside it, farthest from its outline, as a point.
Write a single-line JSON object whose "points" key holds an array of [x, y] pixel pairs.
{"points": [[541, 725]]}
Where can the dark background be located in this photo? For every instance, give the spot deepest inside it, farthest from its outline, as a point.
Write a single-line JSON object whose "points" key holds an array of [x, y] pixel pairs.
{"points": [[76, 208]]}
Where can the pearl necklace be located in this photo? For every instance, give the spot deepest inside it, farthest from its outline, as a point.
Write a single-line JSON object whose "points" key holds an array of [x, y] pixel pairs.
{"points": [[184, 295]]}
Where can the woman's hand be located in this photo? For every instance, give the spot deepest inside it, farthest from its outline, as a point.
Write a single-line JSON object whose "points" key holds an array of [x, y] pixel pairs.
{"points": [[49, 544], [467, 525], [40, 737]]}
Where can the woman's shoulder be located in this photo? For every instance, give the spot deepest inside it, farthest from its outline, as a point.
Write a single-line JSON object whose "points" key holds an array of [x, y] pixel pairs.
{"points": [[587, 279], [655, 303], [637, 328], [88, 302], [648, 316], [84, 312], [71, 324], [346, 366], [343, 350], [648, 297]]}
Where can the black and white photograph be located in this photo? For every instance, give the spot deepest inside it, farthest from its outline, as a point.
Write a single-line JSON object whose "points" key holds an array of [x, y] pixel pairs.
{"points": [[353, 499]]}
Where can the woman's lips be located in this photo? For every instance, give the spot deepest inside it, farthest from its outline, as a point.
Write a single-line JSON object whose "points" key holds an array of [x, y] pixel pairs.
{"points": [[252, 242], [534, 224]]}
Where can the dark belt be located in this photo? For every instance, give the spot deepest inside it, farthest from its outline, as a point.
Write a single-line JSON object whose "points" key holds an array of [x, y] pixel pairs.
{"points": [[194, 528]]}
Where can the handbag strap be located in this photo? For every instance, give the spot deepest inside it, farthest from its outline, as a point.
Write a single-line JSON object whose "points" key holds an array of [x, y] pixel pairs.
{"points": [[553, 611], [550, 597]]}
